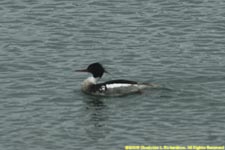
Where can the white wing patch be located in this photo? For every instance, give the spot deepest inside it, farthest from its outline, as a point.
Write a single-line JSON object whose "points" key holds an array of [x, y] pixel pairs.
{"points": [[117, 85]]}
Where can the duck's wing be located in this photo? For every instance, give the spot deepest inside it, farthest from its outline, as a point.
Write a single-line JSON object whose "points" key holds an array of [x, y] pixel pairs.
{"points": [[103, 87], [120, 81], [116, 88]]}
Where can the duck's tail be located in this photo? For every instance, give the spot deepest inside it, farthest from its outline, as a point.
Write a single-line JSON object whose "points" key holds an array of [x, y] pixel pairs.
{"points": [[151, 85]]}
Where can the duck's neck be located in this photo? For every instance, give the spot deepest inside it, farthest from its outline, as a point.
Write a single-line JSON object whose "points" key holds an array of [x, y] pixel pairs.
{"points": [[89, 82]]}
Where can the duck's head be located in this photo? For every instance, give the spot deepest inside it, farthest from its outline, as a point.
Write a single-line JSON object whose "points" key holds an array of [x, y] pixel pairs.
{"points": [[96, 69]]}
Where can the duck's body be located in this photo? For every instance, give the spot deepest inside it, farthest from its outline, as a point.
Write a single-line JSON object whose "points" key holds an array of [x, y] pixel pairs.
{"points": [[109, 88]]}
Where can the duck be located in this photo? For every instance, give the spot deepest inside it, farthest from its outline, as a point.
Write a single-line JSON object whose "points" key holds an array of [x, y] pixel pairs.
{"points": [[119, 87]]}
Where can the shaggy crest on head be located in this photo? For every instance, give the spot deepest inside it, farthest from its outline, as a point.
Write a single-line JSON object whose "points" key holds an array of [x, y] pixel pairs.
{"points": [[96, 69]]}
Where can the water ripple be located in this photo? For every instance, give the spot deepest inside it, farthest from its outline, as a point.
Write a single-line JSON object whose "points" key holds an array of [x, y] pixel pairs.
{"points": [[177, 44]]}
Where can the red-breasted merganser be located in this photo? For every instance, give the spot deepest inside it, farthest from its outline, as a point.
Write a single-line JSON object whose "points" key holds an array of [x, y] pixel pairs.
{"points": [[109, 88]]}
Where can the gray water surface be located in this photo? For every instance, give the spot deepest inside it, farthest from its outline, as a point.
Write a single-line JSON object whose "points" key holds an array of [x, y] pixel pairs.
{"points": [[175, 43]]}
